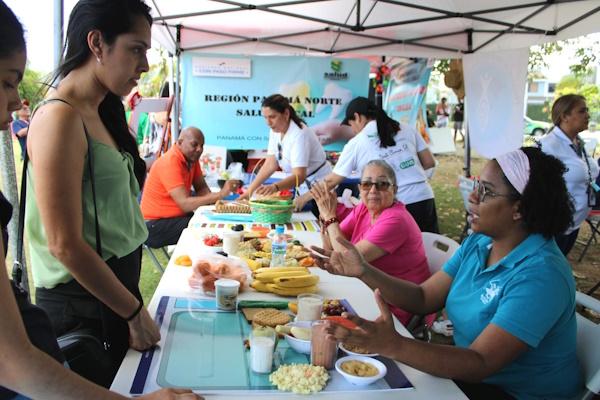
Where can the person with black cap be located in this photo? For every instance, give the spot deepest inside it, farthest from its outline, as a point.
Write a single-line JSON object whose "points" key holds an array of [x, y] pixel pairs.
{"points": [[379, 137]]}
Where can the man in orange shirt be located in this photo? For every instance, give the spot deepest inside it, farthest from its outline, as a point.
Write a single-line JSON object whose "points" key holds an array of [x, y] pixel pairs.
{"points": [[167, 201]]}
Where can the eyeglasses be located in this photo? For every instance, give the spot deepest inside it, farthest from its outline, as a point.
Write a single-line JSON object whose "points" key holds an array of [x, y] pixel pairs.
{"points": [[279, 152], [367, 185], [483, 192]]}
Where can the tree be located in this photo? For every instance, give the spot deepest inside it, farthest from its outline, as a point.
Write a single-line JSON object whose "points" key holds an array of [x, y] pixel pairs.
{"points": [[32, 87], [151, 82], [584, 51], [584, 55], [581, 85]]}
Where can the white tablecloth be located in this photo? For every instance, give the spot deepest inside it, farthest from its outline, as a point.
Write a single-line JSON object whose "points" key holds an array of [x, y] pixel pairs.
{"points": [[360, 296]]}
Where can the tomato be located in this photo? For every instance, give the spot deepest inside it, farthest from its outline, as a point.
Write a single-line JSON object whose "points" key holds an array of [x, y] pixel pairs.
{"points": [[212, 240], [345, 322]]}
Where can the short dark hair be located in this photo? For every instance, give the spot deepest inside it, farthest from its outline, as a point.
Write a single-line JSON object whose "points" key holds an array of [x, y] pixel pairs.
{"points": [[11, 32], [279, 103], [112, 18], [546, 206]]}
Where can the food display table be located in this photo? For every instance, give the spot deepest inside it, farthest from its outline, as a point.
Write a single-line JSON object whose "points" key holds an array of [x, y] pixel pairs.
{"points": [[194, 335]]}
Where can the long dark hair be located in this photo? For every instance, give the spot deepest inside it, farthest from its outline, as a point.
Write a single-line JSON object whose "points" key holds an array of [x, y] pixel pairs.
{"points": [[112, 18], [386, 127], [279, 103], [11, 32]]}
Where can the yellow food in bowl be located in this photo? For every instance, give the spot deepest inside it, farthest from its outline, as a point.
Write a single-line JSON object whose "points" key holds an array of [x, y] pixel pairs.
{"points": [[356, 349], [359, 368]]}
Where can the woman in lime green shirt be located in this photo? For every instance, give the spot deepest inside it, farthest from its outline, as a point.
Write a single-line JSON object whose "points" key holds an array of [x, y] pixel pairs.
{"points": [[80, 284]]}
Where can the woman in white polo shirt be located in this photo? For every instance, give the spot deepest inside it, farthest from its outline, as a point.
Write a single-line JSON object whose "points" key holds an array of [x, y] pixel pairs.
{"points": [[570, 116], [381, 138], [293, 147]]}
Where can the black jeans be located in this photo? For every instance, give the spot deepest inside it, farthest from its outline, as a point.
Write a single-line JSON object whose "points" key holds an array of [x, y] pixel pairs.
{"points": [[566, 242], [425, 215], [71, 307], [166, 231], [483, 391]]}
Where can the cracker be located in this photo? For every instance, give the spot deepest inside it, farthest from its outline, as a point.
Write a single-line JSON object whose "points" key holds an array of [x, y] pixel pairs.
{"points": [[270, 317], [232, 207]]}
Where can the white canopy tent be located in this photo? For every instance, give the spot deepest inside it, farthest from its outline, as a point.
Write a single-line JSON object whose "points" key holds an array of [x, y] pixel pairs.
{"points": [[428, 28]]}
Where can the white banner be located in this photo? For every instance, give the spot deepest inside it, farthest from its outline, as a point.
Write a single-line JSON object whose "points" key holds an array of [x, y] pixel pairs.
{"points": [[222, 67], [495, 91]]}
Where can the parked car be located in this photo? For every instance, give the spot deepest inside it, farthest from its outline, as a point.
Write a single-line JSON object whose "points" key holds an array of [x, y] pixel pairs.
{"points": [[535, 128]]}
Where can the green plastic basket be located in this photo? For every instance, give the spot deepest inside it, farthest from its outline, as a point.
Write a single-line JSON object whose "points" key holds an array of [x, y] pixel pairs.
{"points": [[272, 211]]}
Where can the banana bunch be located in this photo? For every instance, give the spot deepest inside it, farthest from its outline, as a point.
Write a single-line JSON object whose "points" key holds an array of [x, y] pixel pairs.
{"points": [[284, 281]]}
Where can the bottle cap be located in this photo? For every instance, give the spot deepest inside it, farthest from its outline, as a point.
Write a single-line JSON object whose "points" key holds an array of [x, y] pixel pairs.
{"points": [[279, 229]]}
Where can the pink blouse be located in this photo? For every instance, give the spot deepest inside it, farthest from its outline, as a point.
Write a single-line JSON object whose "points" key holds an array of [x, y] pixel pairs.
{"points": [[396, 232]]}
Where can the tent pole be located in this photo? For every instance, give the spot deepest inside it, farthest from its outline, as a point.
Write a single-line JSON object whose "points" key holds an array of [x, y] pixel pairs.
{"points": [[467, 142], [176, 103], [59, 10]]}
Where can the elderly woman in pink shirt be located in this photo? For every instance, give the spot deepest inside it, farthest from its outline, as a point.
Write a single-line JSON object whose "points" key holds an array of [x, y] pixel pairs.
{"points": [[380, 227]]}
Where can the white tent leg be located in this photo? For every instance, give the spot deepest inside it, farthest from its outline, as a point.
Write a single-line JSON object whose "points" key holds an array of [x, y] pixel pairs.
{"points": [[176, 102]]}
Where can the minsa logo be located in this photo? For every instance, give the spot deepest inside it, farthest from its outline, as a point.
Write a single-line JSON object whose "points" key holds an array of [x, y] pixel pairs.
{"points": [[336, 75]]}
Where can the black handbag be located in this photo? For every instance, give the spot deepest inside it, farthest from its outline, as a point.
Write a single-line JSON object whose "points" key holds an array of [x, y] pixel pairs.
{"points": [[85, 352]]}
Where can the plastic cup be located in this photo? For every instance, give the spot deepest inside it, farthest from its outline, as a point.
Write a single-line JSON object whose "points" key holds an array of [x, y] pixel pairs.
{"points": [[309, 307], [323, 351], [226, 291], [231, 242], [262, 346]]}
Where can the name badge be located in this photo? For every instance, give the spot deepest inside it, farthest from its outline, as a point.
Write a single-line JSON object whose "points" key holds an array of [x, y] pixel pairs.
{"points": [[591, 196]]}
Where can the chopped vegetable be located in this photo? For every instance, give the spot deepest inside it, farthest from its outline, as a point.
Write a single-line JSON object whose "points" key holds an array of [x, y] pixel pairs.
{"points": [[345, 322]]}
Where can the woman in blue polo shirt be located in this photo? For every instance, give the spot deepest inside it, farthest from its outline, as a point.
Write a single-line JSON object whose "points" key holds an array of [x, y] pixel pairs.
{"points": [[508, 290]]}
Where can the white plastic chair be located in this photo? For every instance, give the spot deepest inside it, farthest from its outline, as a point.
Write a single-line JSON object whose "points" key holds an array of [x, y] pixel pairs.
{"points": [[465, 187], [438, 249], [588, 346]]}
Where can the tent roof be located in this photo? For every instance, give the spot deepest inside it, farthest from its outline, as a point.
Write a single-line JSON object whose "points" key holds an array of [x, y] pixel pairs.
{"points": [[428, 28]]}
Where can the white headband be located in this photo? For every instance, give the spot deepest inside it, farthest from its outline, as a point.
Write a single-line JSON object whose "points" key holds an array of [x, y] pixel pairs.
{"points": [[515, 166]]}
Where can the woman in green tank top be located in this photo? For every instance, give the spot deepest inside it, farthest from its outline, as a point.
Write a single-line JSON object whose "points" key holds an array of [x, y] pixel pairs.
{"points": [[87, 275]]}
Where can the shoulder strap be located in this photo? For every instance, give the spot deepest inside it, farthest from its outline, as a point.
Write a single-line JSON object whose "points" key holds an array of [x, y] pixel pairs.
{"points": [[17, 272]]}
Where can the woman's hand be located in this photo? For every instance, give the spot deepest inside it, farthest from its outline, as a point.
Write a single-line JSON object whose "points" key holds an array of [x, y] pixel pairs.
{"points": [[300, 202], [326, 200], [266, 190], [377, 336], [172, 394], [143, 332], [346, 263]]}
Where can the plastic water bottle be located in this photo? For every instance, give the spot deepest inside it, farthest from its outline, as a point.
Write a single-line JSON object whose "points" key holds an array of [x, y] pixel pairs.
{"points": [[278, 247]]}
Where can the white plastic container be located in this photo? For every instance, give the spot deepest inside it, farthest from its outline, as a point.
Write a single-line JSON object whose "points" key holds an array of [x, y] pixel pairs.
{"points": [[231, 242], [261, 352], [309, 307], [226, 291]]}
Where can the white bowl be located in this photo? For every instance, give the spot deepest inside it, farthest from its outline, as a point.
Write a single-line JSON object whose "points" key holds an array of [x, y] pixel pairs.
{"points": [[353, 353], [361, 380], [301, 346], [211, 249]]}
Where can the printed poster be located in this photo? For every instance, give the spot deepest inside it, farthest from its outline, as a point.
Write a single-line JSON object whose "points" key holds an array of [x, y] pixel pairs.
{"points": [[227, 109]]}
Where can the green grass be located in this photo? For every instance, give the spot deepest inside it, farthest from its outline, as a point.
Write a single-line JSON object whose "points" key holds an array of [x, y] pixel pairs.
{"points": [[150, 275]]}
